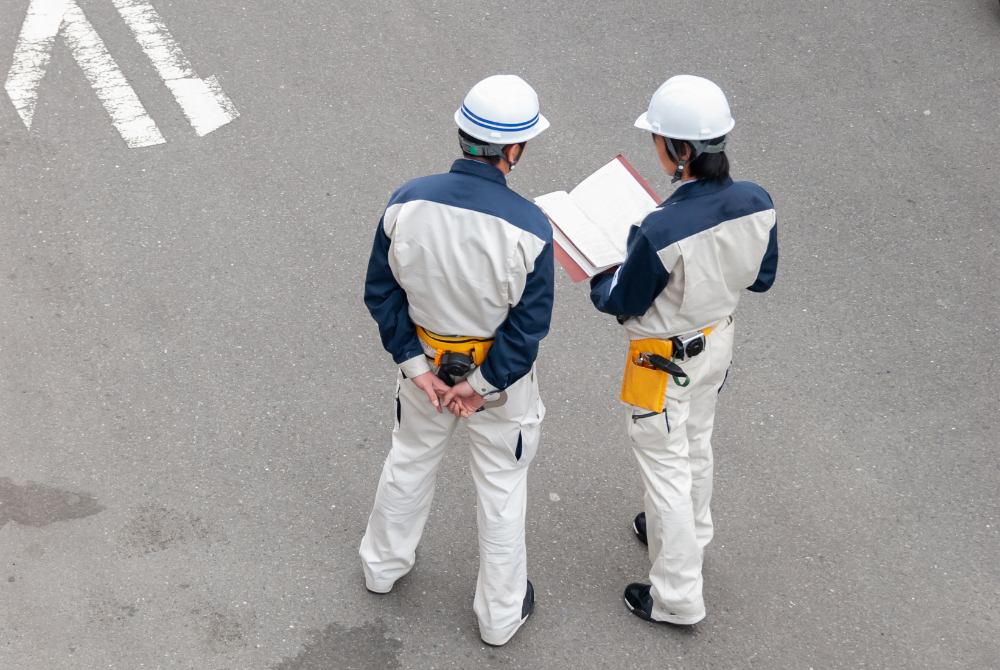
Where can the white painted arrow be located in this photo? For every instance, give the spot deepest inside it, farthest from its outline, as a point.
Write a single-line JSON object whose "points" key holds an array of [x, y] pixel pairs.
{"points": [[34, 51], [203, 101]]}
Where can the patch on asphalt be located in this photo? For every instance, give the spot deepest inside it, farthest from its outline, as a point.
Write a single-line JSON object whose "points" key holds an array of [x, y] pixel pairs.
{"points": [[37, 505], [219, 629], [362, 648], [153, 529], [108, 610]]}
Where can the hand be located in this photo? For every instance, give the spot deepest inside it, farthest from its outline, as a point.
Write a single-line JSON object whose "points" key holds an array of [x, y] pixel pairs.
{"points": [[462, 400], [463, 408], [433, 387]]}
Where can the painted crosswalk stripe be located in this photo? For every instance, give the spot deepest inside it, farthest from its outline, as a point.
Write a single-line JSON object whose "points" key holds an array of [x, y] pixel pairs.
{"points": [[203, 101], [34, 51]]}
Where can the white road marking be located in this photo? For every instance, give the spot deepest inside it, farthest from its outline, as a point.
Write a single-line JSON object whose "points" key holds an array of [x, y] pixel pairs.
{"points": [[34, 51], [115, 93], [32, 55], [203, 101]]}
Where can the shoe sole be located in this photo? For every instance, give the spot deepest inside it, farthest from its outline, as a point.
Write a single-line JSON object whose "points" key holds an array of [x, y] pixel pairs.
{"points": [[642, 615], [507, 639]]}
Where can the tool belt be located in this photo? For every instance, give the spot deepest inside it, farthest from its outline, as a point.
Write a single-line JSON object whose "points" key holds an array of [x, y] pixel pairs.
{"points": [[456, 356], [474, 347], [644, 384]]}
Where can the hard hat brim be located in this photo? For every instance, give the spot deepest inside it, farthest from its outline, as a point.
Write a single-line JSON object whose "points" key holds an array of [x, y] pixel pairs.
{"points": [[500, 136], [643, 124]]}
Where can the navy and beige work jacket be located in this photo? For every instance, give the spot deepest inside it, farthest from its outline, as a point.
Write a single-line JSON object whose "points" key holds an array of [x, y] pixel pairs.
{"points": [[691, 257], [461, 254]]}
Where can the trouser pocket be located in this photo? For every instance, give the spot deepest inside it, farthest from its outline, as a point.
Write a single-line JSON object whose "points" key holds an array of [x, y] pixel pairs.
{"points": [[641, 423], [725, 378], [530, 422], [529, 434], [515, 427], [399, 406]]}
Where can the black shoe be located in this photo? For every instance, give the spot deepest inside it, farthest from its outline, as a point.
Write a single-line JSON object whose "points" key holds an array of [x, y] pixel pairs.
{"points": [[639, 526], [529, 602], [526, 608], [638, 600], [640, 603]]}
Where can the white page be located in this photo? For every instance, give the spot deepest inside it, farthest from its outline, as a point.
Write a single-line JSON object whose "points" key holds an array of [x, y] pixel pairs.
{"points": [[584, 234], [574, 253], [614, 201]]}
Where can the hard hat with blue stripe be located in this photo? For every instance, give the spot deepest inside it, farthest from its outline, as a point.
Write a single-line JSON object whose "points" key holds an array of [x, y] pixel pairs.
{"points": [[502, 109]]}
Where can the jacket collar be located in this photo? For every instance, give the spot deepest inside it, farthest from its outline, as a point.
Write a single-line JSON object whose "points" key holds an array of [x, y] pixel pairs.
{"points": [[479, 169], [698, 189]]}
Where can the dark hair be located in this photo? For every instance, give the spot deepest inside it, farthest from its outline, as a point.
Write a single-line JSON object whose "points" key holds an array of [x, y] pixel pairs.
{"points": [[710, 167], [492, 160]]}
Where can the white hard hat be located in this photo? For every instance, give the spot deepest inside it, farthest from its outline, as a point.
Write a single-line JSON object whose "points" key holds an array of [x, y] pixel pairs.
{"points": [[687, 107], [502, 109]]}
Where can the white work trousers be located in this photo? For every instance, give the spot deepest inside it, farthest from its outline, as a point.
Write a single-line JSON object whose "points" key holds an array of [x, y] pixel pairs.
{"points": [[674, 451], [504, 440]]}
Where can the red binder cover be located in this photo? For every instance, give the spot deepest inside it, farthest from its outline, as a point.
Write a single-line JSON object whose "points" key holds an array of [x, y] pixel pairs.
{"points": [[575, 272]]}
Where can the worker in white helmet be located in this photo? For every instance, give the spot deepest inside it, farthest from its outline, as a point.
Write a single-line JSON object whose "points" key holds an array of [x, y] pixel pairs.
{"points": [[460, 281], [675, 294]]}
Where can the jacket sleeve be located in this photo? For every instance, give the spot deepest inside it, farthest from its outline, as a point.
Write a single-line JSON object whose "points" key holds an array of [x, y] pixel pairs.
{"points": [[516, 345], [387, 303], [631, 290], [768, 266]]}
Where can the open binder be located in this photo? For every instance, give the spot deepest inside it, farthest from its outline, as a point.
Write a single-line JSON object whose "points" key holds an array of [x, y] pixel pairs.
{"points": [[590, 224]]}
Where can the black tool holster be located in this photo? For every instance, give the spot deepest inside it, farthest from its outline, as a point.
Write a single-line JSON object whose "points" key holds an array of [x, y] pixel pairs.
{"points": [[454, 366]]}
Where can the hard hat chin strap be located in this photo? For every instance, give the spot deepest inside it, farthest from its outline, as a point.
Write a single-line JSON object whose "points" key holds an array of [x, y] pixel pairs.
{"points": [[486, 149], [679, 172], [698, 147]]}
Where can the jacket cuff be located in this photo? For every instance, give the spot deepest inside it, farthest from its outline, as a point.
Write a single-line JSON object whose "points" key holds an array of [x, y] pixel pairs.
{"points": [[479, 383], [415, 366]]}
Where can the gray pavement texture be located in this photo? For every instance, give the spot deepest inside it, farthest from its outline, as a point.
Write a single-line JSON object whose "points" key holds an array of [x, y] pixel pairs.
{"points": [[196, 406]]}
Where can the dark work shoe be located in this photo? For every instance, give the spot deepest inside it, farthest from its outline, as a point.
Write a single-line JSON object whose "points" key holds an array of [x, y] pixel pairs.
{"points": [[637, 597], [529, 602], [640, 602], [639, 526], [526, 608]]}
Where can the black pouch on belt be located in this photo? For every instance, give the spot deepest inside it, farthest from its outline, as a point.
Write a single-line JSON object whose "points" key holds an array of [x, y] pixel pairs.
{"points": [[454, 365]]}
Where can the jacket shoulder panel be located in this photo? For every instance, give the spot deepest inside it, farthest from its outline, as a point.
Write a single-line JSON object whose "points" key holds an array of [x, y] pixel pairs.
{"points": [[464, 191], [685, 218]]}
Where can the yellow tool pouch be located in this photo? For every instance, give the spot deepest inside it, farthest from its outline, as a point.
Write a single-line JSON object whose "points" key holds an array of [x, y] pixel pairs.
{"points": [[475, 347], [646, 386]]}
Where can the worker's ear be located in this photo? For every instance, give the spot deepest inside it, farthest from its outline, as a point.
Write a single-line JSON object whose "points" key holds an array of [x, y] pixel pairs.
{"points": [[685, 153], [513, 152]]}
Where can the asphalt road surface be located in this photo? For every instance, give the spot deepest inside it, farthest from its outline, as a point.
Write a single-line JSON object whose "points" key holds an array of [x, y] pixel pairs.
{"points": [[195, 406]]}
